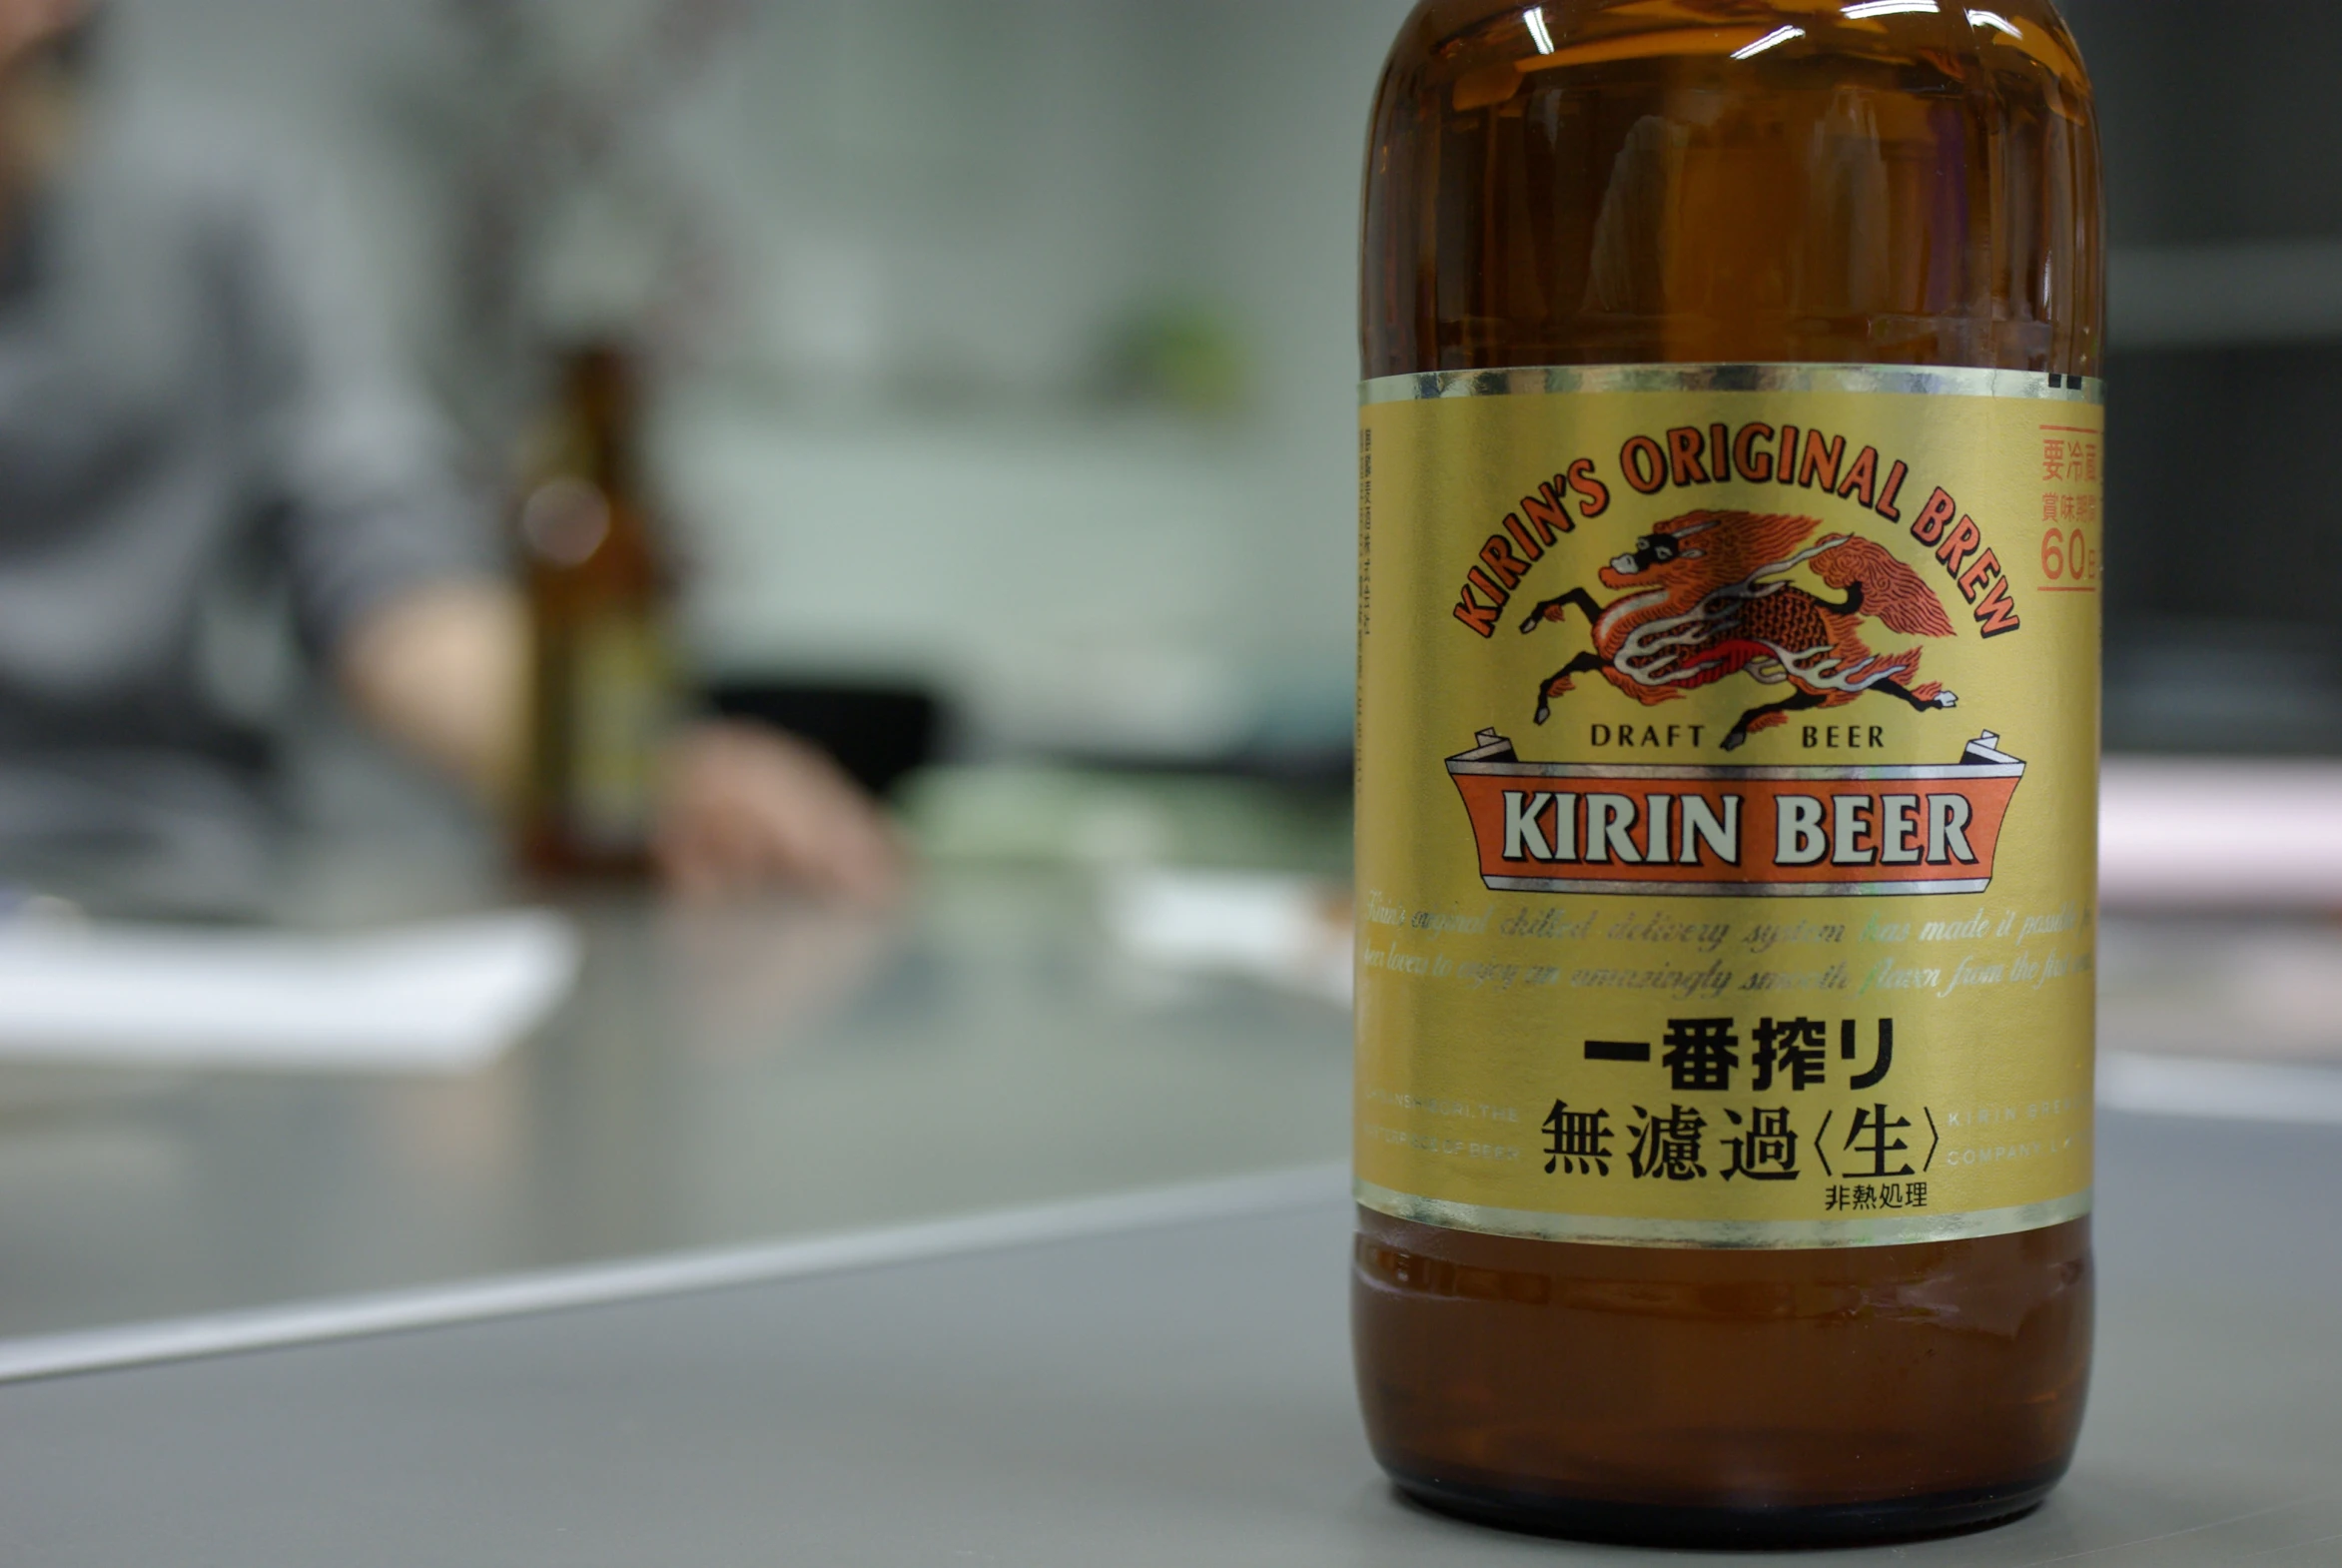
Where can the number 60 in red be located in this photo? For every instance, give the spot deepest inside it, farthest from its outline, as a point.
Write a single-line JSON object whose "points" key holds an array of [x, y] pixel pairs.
{"points": [[2063, 554]]}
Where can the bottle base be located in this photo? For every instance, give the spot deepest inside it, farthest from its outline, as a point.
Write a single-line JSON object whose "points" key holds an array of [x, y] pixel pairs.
{"points": [[1751, 1528]]}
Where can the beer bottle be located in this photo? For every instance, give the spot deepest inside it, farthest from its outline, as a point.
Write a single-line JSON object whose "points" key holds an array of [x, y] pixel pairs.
{"points": [[604, 691], [1730, 554]]}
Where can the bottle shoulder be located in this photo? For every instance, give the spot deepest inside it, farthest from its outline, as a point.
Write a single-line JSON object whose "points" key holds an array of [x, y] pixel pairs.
{"points": [[1464, 44], [1641, 181]]}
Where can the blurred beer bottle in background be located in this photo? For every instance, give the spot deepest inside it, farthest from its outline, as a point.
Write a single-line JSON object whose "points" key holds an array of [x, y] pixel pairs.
{"points": [[605, 689]]}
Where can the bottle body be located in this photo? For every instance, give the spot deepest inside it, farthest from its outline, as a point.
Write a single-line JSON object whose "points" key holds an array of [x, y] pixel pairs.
{"points": [[1574, 193], [1764, 1398], [604, 688]]}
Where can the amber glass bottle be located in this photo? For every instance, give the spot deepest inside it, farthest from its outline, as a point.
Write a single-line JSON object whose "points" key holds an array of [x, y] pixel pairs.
{"points": [[604, 685], [1745, 182]]}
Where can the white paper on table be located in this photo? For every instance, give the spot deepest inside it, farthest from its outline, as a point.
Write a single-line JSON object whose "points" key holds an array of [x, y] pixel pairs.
{"points": [[1287, 930], [440, 997], [2192, 834], [2225, 1090]]}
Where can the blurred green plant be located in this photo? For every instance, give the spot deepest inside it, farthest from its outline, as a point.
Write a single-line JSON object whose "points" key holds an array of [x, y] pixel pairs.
{"points": [[1188, 356]]}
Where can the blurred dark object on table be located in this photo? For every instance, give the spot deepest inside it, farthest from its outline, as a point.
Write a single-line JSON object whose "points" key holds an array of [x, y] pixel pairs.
{"points": [[877, 733]]}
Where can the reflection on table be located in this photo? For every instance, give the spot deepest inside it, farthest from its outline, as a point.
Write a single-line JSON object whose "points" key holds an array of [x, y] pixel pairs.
{"points": [[719, 1076], [1057, 1015]]}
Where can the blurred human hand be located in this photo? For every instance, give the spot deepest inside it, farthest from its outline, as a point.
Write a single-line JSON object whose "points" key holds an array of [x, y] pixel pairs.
{"points": [[27, 24], [747, 807], [37, 101], [442, 671]]}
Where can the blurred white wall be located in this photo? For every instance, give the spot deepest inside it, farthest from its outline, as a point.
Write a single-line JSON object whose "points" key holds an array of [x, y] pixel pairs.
{"points": [[891, 250]]}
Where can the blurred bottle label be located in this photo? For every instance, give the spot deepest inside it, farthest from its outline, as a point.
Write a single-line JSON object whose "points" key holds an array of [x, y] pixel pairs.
{"points": [[1728, 802], [622, 701]]}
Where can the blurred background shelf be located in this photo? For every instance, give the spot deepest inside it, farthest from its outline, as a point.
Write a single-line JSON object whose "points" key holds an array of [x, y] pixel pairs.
{"points": [[2226, 294], [2226, 358], [991, 365]]}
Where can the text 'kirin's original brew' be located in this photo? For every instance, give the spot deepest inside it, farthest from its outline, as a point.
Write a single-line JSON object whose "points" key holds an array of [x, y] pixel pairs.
{"points": [[1729, 623]]}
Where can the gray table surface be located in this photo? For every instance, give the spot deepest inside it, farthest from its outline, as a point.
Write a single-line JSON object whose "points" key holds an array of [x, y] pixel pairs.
{"points": [[956, 1374], [721, 1077], [1174, 1393], [728, 1077]]}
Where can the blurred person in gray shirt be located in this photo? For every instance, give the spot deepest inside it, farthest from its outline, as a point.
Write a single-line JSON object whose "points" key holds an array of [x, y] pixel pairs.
{"points": [[198, 437]]}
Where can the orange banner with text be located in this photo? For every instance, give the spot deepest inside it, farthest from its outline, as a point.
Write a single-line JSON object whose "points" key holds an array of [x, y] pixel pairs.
{"points": [[1780, 832]]}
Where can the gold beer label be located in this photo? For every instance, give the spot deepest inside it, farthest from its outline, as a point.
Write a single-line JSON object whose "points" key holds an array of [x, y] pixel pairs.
{"points": [[1728, 749]]}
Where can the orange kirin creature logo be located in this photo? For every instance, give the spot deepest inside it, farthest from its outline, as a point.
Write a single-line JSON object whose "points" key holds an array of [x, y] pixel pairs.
{"points": [[1709, 596]]}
